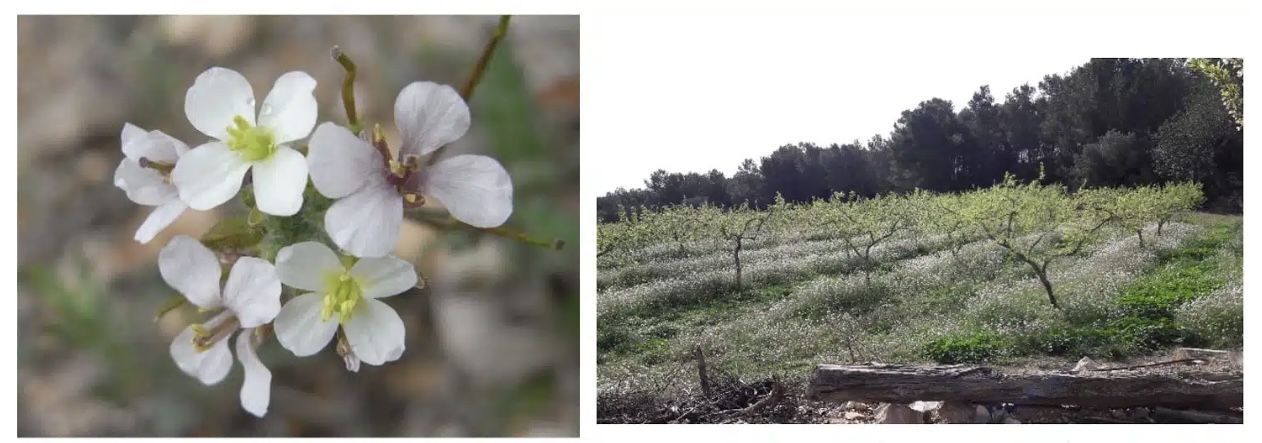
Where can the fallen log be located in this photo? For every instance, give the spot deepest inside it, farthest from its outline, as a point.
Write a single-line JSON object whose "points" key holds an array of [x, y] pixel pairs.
{"points": [[1090, 389], [1196, 416], [1199, 354]]}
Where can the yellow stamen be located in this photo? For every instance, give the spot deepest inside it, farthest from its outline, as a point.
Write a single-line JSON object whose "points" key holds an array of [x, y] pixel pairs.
{"points": [[344, 292], [204, 338], [397, 168], [253, 143], [378, 135]]}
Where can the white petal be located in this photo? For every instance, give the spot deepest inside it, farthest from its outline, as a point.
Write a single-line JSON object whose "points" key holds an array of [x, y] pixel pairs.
{"points": [[142, 145], [256, 390], [428, 116], [290, 109], [474, 188], [210, 367], [169, 143], [375, 332], [252, 291], [216, 97], [384, 276], [159, 219], [342, 163], [184, 354], [181, 148], [192, 269], [279, 181], [154, 145], [144, 186], [130, 132], [366, 223], [303, 265], [209, 175], [394, 355], [299, 327]]}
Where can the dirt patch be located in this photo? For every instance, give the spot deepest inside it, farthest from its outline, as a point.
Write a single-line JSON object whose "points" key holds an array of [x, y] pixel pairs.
{"points": [[732, 400]]}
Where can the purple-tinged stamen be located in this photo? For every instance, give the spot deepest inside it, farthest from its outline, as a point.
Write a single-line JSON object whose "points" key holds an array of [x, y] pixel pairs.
{"points": [[163, 168]]}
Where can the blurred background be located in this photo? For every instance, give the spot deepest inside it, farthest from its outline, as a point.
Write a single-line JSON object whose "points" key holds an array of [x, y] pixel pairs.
{"points": [[493, 337]]}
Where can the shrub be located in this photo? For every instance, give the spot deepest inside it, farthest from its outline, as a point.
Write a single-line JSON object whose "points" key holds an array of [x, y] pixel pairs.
{"points": [[971, 347]]}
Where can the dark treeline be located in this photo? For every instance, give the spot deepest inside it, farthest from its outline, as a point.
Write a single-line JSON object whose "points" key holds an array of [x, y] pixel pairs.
{"points": [[1110, 122]]}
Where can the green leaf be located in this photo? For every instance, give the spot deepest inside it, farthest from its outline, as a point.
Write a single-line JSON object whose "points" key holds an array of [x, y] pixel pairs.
{"points": [[232, 233]]}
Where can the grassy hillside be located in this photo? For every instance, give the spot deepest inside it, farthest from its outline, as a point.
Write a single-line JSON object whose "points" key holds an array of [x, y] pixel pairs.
{"points": [[804, 303]]}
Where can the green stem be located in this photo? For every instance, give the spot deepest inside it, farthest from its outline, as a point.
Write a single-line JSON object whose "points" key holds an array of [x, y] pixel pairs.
{"points": [[172, 304], [348, 90], [507, 232], [446, 222], [466, 90]]}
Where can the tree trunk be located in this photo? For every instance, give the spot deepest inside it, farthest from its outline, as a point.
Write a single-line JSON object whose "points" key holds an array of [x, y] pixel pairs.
{"points": [[868, 266], [736, 256], [1220, 389], [1140, 232], [1041, 271], [1047, 285]]}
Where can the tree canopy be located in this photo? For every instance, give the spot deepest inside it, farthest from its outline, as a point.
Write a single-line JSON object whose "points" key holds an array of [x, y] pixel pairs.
{"points": [[1107, 123]]}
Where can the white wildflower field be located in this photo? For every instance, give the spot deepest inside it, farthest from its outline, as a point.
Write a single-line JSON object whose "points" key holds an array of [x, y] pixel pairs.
{"points": [[1011, 275]]}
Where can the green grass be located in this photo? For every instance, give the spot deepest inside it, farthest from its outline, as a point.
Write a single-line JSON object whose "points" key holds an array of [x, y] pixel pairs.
{"points": [[1159, 294], [1144, 321], [1148, 307], [1118, 301], [659, 323], [972, 347]]}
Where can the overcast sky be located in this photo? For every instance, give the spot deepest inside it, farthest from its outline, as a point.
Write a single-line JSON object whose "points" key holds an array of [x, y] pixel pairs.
{"points": [[749, 85]]}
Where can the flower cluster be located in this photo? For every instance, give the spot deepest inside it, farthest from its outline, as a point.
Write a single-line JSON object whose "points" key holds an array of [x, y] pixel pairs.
{"points": [[327, 239]]}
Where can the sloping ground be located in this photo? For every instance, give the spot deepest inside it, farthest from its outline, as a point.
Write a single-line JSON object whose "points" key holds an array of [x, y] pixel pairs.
{"points": [[1120, 301]]}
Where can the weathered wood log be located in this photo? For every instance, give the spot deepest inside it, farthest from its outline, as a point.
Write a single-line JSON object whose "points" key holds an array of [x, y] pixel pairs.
{"points": [[1197, 353], [1091, 389], [1195, 416], [1231, 356]]}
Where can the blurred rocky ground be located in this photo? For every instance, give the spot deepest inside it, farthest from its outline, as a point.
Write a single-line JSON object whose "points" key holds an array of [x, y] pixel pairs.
{"points": [[492, 339]]}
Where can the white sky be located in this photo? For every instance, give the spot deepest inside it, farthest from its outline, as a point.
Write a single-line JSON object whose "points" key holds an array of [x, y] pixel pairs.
{"points": [[751, 84]]}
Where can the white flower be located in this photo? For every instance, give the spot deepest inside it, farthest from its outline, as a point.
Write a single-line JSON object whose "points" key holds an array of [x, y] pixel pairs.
{"points": [[140, 175], [250, 298], [371, 189], [221, 104], [341, 296]]}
